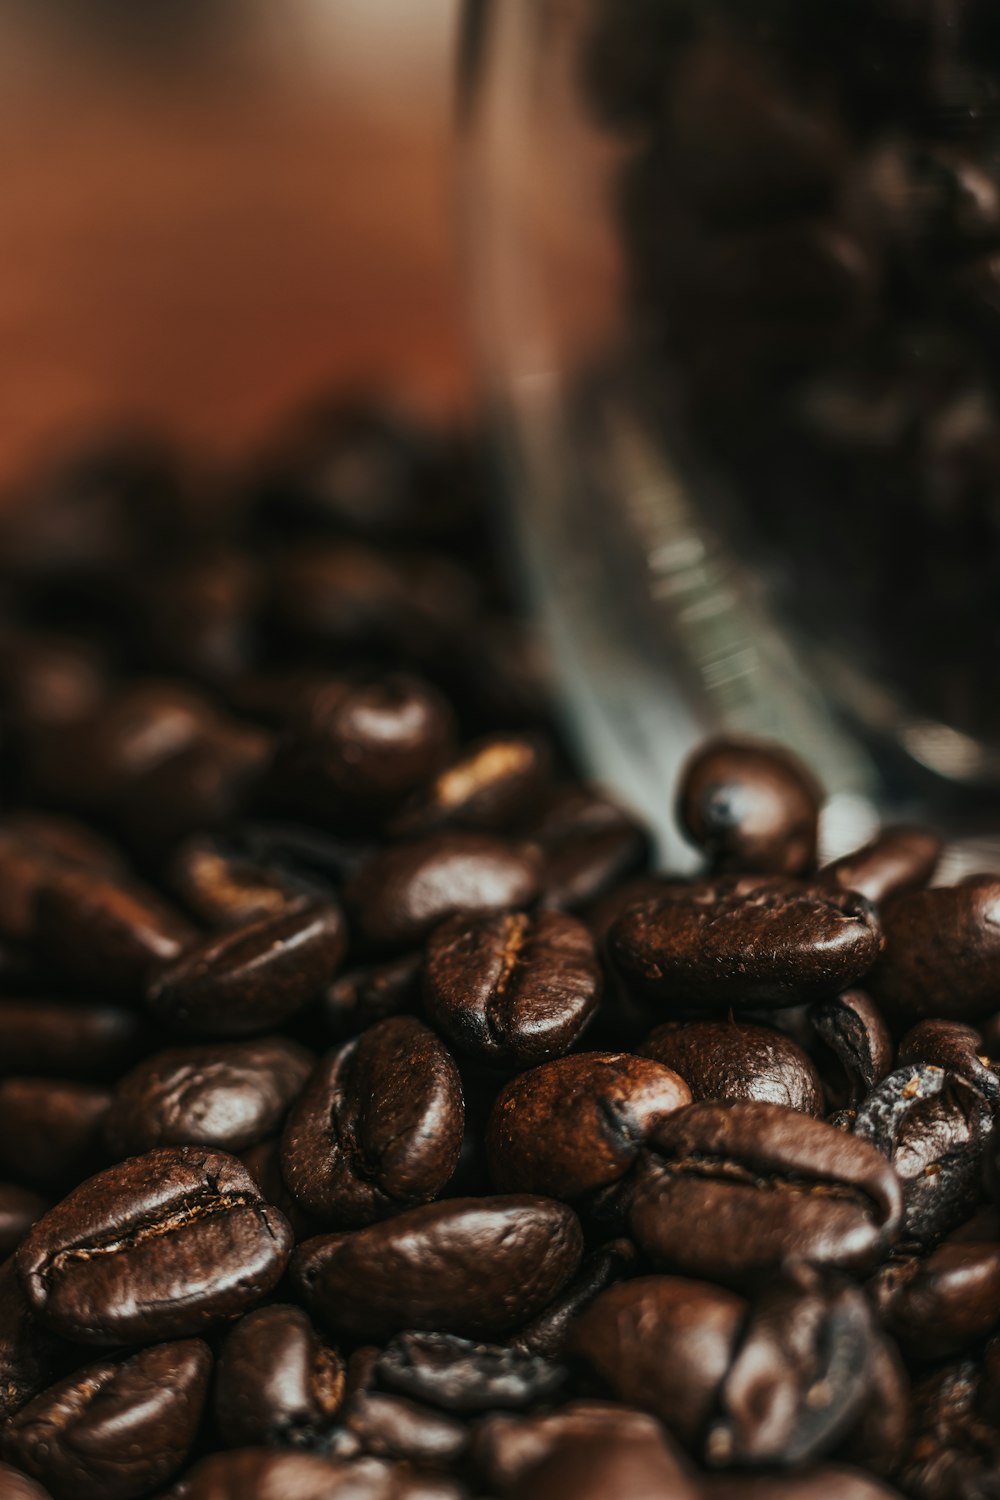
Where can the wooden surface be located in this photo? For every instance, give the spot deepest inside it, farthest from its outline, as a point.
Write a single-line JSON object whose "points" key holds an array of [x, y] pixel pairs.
{"points": [[202, 252]]}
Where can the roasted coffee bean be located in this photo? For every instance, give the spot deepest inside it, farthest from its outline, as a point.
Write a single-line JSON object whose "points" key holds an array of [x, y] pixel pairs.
{"points": [[548, 1333], [50, 1131], [19, 1208], [798, 1380], [492, 786], [746, 943], [401, 894], [853, 1028], [816, 1484], [17, 1486], [942, 953], [621, 1338], [157, 1247], [512, 989], [68, 1039], [358, 999], [263, 1162], [934, 1127], [475, 1267], [30, 1356], [896, 861], [729, 1191], [879, 1438], [576, 1124], [735, 1060], [589, 845], [392, 1427], [254, 977], [460, 1376], [31, 848], [937, 1306], [953, 1046], [594, 1468], [224, 888], [116, 1429], [377, 1128], [107, 932], [956, 1449], [276, 1382], [231, 1095], [505, 1448], [750, 807], [257, 1474]]}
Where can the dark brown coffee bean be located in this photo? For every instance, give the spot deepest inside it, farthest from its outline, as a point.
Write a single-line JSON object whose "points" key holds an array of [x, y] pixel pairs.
{"points": [[958, 1048], [30, 1356], [116, 1429], [505, 1448], [50, 1131], [254, 977], [17, 1486], [942, 953], [729, 1191], [879, 1438], [200, 615], [364, 996], [472, 1266], [32, 846], [577, 1124], [460, 1376], [19, 1208], [937, 1306], [547, 1334], [512, 989], [934, 1128], [263, 1162], [896, 861], [401, 894], [798, 1381], [107, 932], [750, 807], [392, 1427], [589, 845], [817, 1484], [159, 1246], [955, 1453], [735, 1060], [224, 888], [277, 1382], [489, 788], [594, 1468], [68, 1039], [853, 1028], [621, 1338], [231, 1095], [377, 1128], [259, 1474], [743, 942]]}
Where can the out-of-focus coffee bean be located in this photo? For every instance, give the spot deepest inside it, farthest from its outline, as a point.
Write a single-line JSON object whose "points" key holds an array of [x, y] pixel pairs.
{"points": [[66, 1038], [507, 1447], [200, 615], [589, 845], [461, 1376], [827, 1483], [896, 861], [50, 1130], [360, 998], [17, 1486], [31, 1356], [576, 1124], [512, 989], [261, 1474], [956, 1449], [593, 1468], [852, 1027], [277, 1381], [31, 847], [942, 953], [736, 1060], [393, 1427], [939, 1305], [547, 1334], [751, 808], [223, 888], [492, 786], [19, 1208], [955, 1047]]}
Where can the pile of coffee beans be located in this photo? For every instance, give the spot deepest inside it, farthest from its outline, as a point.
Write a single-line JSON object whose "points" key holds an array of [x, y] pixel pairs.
{"points": [[374, 1123]]}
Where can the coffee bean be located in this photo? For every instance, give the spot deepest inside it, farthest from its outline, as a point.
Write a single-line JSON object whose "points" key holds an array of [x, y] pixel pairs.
{"points": [[50, 1131], [401, 894], [460, 1376], [30, 1356], [254, 977], [19, 1208], [263, 1162], [896, 861], [231, 1095], [257, 1474], [475, 1267], [377, 1128], [391, 1427], [955, 1450], [942, 953], [505, 1448], [358, 999], [157, 1247], [594, 1468], [735, 1060], [750, 807], [937, 1306], [68, 1039], [547, 1334], [589, 845], [743, 942], [818, 1484], [31, 849], [621, 1338], [512, 989], [116, 1429], [728, 1191], [277, 1382], [934, 1127], [107, 932], [488, 789], [851, 1025], [576, 1124], [224, 888], [955, 1047]]}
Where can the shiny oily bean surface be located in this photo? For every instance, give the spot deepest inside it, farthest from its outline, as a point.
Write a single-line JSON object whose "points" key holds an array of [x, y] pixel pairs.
{"points": [[511, 988], [254, 977], [576, 1124], [729, 1191], [474, 1266], [377, 1128], [942, 1303], [50, 1130], [750, 807], [404, 892], [942, 953], [737, 1060], [744, 943], [66, 1039], [487, 789], [461, 1376], [19, 1208], [897, 860], [594, 1469], [108, 932], [116, 1429], [160, 1246], [231, 1095], [276, 1381]]}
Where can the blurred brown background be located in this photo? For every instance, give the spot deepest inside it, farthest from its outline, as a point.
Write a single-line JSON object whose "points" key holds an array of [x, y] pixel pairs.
{"points": [[214, 208]]}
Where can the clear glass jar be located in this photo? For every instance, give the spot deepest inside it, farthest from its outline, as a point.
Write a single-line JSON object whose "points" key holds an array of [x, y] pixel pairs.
{"points": [[736, 280]]}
